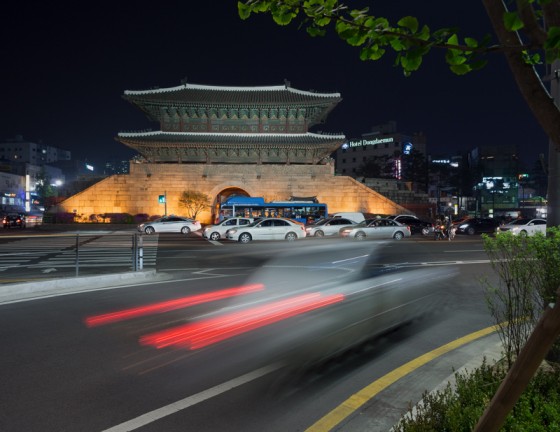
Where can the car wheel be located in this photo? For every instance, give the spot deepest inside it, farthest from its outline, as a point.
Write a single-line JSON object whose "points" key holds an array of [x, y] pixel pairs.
{"points": [[425, 231], [523, 233], [245, 238], [149, 230], [291, 236], [185, 230], [398, 235], [360, 235], [319, 233], [215, 236], [471, 231]]}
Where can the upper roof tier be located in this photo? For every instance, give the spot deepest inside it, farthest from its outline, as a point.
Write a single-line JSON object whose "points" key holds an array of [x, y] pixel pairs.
{"points": [[154, 102]]}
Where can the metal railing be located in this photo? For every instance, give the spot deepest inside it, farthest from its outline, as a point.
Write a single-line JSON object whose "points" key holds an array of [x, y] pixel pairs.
{"points": [[43, 256]]}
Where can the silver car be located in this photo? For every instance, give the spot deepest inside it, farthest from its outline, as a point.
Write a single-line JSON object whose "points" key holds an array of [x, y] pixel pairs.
{"points": [[268, 229], [376, 229], [170, 224], [327, 227], [215, 232]]}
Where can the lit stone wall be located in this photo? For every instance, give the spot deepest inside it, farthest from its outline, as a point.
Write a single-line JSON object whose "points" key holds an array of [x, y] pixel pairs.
{"points": [[138, 192]]}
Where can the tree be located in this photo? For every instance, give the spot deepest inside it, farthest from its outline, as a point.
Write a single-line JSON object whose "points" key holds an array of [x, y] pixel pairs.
{"points": [[194, 202], [43, 186], [528, 34]]}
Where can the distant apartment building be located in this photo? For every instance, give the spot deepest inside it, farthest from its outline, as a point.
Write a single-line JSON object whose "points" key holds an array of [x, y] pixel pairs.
{"points": [[20, 150]]}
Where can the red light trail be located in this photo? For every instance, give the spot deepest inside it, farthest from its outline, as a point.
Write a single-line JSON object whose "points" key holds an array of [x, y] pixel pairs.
{"points": [[209, 331], [166, 306]]}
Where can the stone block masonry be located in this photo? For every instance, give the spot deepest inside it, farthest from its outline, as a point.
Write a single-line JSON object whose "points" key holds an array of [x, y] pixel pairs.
{"points": [[137, 192]]}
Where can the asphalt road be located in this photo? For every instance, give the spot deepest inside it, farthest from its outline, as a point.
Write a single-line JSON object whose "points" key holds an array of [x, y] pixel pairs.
{"points": [[60, 374]]}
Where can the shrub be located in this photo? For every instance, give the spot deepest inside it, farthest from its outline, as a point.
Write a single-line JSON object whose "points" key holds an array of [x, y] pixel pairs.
{"points": [[140, 217], [459, 408]]}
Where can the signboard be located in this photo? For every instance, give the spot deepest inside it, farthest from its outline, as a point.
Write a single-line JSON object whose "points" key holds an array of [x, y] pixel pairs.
{"points": [[161, 199]]}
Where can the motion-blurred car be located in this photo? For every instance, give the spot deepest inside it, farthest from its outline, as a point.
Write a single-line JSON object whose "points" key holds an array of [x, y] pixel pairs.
{"points": [[327, 226], [13, 220], [524, 227], [376, 229], [267, 229], [170, 224], [474, 226], [417, 226], [216, 232]]}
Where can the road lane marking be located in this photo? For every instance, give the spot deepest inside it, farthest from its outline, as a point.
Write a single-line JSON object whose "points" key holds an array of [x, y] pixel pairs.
{"points": [[187, 402], [354, 402]]}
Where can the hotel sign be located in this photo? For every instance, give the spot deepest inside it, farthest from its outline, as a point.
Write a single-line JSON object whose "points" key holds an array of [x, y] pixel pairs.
{"points": [[366, 142]]}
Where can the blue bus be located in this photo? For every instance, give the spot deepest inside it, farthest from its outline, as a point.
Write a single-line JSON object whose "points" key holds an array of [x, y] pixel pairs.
{"points": [[256, 207]]}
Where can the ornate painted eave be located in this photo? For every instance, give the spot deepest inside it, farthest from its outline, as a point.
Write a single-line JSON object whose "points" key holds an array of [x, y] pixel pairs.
{"points": [[165, 147]]}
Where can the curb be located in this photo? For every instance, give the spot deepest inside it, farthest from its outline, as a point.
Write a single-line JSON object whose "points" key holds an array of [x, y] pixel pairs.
{"points": [[71, 285]]}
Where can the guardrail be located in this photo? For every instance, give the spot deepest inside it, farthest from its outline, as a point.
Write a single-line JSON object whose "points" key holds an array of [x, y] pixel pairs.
{"points": [[44, 256]]}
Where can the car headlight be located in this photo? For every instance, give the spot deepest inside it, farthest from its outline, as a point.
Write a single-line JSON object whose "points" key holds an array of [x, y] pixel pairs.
{"points": [[231, 231], [463, 226]]}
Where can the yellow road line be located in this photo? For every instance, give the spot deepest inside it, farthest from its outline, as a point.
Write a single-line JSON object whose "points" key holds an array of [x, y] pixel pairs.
{"points": [[350, 405]]}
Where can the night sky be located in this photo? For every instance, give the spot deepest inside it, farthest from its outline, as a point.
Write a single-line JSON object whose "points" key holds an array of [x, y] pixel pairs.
{"points": [[66, 65]]}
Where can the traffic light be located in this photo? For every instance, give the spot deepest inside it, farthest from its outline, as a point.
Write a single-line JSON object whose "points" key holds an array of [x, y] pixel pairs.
{"points": [[161, 199], [522, 176]]}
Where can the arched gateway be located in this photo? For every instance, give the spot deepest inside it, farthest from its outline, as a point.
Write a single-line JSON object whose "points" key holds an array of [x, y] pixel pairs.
{"points": [[216, 140]]}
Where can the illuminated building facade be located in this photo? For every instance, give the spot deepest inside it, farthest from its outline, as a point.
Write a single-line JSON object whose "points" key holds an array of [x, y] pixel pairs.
{"points": [[223, 141], [383, 143]]}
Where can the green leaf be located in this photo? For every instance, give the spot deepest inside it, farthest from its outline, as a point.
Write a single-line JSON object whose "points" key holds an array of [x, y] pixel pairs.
{"points": [[411, 61], [372, 52], [553, 38], [460, 69], [470, 42], [409, 22], [315, 31], [397, 44], [283, 15], [243, 10], [453, 57], [512, 21]]}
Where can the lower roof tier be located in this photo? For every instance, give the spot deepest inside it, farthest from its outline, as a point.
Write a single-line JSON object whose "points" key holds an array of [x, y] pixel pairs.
{"points": [[178, 147]]}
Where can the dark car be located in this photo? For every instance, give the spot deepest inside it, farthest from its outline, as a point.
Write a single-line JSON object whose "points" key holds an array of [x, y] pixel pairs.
{"points": [[13, 220], [473, 226], [417, 226]]}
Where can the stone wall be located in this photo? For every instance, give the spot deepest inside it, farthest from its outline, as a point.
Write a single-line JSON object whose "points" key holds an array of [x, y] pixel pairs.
{"points": [[138, 192]]}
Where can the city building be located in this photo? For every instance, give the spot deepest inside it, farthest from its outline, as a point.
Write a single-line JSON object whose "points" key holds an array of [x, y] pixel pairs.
{"points": [[35, 153], [223, 141], [384, 143], [497, 189], [34, 164]]}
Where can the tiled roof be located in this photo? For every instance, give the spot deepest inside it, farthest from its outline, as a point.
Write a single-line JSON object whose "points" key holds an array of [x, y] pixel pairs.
{"points": [[197, 94]]}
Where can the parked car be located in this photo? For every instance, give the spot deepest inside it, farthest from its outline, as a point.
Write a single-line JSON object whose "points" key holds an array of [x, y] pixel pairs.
{"points": [[14, 220], [170, 224], [215, 232], [417, 226], [524, 227], [355, 216], [376, 229], [474, 226], [328, 226], [267, 229]]}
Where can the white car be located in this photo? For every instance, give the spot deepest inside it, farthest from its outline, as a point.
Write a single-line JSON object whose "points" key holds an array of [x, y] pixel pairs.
{"points": [[524, 227], [376, 229], [216, 232], [327, 227], [268, 229], [170, 224]]}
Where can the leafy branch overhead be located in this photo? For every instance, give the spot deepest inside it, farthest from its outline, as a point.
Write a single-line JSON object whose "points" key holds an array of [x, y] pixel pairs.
{"points": [[409, 40]]}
